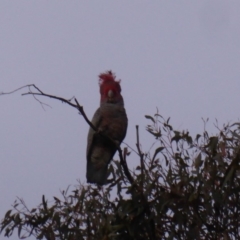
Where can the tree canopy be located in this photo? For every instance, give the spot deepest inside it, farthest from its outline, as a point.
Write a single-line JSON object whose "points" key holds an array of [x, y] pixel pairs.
{"points": [[186, 188]]}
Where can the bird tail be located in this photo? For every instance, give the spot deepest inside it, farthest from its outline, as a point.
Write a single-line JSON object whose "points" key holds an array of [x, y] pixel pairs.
{"points": [[95, 174]]}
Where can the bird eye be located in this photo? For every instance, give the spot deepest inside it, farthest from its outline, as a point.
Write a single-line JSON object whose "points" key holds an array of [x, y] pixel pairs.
{"points": [[110, 93]]}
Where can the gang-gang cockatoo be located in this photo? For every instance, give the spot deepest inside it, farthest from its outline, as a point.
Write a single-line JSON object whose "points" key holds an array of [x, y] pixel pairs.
{"points": [[111, 120]]}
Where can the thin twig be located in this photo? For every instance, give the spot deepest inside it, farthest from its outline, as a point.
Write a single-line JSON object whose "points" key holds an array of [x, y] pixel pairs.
{"points": [[114, 183], [139, 151], [5, 93], [124, 164], [51, 96], [80, 108], [130, 147], [138, 146]]}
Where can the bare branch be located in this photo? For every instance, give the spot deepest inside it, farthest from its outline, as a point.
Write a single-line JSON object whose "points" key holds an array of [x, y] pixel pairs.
{"points": [[139, 150], [130, 147], [124, 163], [51, 96], [80, 109], [5, 93]]}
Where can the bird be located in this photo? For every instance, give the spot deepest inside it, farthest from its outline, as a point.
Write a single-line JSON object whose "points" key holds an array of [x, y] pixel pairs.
{"points": [[111, 120]]}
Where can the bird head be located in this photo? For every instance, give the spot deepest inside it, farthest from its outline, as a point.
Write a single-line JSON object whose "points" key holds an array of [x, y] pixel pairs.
{"points": [[110, 89]]}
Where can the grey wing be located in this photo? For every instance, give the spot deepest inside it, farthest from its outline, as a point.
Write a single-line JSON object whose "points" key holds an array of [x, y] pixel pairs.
{"points": [[96, 121]]}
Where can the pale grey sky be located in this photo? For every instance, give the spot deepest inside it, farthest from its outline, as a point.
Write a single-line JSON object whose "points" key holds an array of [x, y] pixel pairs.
{"points": [[180, 56]]}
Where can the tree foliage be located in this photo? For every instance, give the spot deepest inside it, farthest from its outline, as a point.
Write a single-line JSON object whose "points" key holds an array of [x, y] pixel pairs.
{"points": [[186, 188]]}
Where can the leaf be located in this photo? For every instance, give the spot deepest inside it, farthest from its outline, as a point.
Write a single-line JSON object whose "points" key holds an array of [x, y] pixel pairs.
{"points": [[138, 168], [177, 136], [56, 218], [17, 219], [193, 196], [157, 134], [229, 174], [198, 161], [235, 134], [168, 126], [169, 176], [234, 124], [205, 134], [19, 231], [197, 137], [44, 202], [111, 170], [189, 140], [222, 146], [8, 213], [151, 118], [213, 142], [158, 115], [33, 210], [166, 160], [158, 150], [57, 200]]}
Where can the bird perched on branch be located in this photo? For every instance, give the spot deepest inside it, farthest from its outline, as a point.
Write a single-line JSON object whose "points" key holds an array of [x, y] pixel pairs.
{"points": [[111, 120]]}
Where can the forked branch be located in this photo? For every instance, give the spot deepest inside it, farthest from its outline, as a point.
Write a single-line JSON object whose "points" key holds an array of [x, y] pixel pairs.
{"points": [[35, 91]]}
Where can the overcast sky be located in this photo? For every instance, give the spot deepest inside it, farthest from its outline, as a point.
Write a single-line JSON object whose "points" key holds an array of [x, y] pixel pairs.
{"points": [[182, 57]]}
